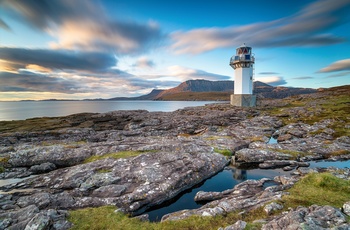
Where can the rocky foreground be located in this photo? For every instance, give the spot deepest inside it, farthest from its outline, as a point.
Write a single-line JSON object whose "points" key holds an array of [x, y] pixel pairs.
{"points": [[138, 159]]}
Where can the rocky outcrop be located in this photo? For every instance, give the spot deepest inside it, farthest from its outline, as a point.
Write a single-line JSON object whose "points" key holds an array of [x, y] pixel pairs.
{"points": [[299, 143], [314, 217], [253, 194], [131, 184], [175, 151]]}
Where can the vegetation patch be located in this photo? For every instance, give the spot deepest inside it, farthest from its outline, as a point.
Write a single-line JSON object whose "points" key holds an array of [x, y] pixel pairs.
{"points": [[225, 152], [196, 96], [257, 139], [320, 189], [34, 124], [105, 218], [104, 171], [214, 138], [334, 105], [76, 144], [116, 155], [3, 163]]}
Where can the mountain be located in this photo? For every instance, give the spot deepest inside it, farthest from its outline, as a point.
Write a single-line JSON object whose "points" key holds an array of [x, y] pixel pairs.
{"points": [[151, 96], [200, 86], [216, 90]]}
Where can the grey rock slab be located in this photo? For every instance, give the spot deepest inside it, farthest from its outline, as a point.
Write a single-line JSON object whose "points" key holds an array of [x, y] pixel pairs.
{"points": [[42, 168], [130, 183], [314, 217], [259, 155]]}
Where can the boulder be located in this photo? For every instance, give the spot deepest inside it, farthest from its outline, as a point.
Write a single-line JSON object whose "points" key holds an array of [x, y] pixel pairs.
{"points": [[42, 168], [239, 225], [346, 208], [270, 208]]}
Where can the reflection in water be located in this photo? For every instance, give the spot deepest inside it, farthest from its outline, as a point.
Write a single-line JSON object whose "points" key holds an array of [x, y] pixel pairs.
{"points": [[240, 174]]}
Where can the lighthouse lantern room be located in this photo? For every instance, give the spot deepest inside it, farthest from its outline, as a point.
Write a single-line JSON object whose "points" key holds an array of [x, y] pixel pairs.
{"points": [[243, 64]]}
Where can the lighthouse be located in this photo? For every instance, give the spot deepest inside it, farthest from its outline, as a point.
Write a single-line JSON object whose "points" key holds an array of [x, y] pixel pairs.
{"points": [[243, 64]]}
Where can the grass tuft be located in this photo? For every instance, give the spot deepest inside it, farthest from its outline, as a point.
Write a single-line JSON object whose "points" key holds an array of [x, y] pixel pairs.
{"points": [[116, 155], [320, 189], [225, 152]]}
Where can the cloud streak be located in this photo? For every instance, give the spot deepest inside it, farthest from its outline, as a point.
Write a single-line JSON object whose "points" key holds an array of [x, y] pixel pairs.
{"points": [[303, 78], [84, 25], [342, 74], [305, 28], [272, 80], [29, 82], [144, 63], [336, 66], [57, 59], [184, 74]]}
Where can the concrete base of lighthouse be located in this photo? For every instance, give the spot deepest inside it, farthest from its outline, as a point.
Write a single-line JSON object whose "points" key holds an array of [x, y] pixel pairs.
{"points": [[243, 100]]}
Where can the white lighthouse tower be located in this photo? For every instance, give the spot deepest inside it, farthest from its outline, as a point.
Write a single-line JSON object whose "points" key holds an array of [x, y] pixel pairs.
{"points": [[243, 64]]}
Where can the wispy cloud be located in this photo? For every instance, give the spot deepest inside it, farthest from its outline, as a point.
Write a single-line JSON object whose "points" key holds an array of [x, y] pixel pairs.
{"points": [[30, 82], [184, 74], [272, 80], [4, 25], [57, 59], [267, 73], [342, 74], [303, 78], [308, 27], [336, 66], [85, 25], [144, 63]]}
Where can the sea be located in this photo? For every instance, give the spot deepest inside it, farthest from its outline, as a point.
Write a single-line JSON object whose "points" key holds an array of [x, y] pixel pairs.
{"points": [[21, 110]]}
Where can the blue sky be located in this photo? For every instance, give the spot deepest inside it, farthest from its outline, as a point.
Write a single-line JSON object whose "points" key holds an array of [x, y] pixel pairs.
{"points": [[80, 49]]}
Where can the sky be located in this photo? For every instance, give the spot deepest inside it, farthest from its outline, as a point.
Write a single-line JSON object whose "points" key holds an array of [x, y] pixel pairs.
{"points": [[85, 49]]}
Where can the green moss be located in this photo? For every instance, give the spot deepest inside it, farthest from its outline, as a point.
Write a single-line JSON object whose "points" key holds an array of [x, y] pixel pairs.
{"points": [[104, 171], [214, 138], [75, 144], [225, 152], [294, 154], [334, 106], [3, 163], [256, 139], [320, 189], [116, 155], [4, 160]]}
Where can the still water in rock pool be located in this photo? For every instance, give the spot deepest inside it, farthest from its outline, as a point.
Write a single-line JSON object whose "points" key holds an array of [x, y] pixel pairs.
{"points": [[224, 180]]}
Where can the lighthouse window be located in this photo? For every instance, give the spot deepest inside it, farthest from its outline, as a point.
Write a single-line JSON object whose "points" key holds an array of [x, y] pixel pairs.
{"points": [[247, 57]]}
